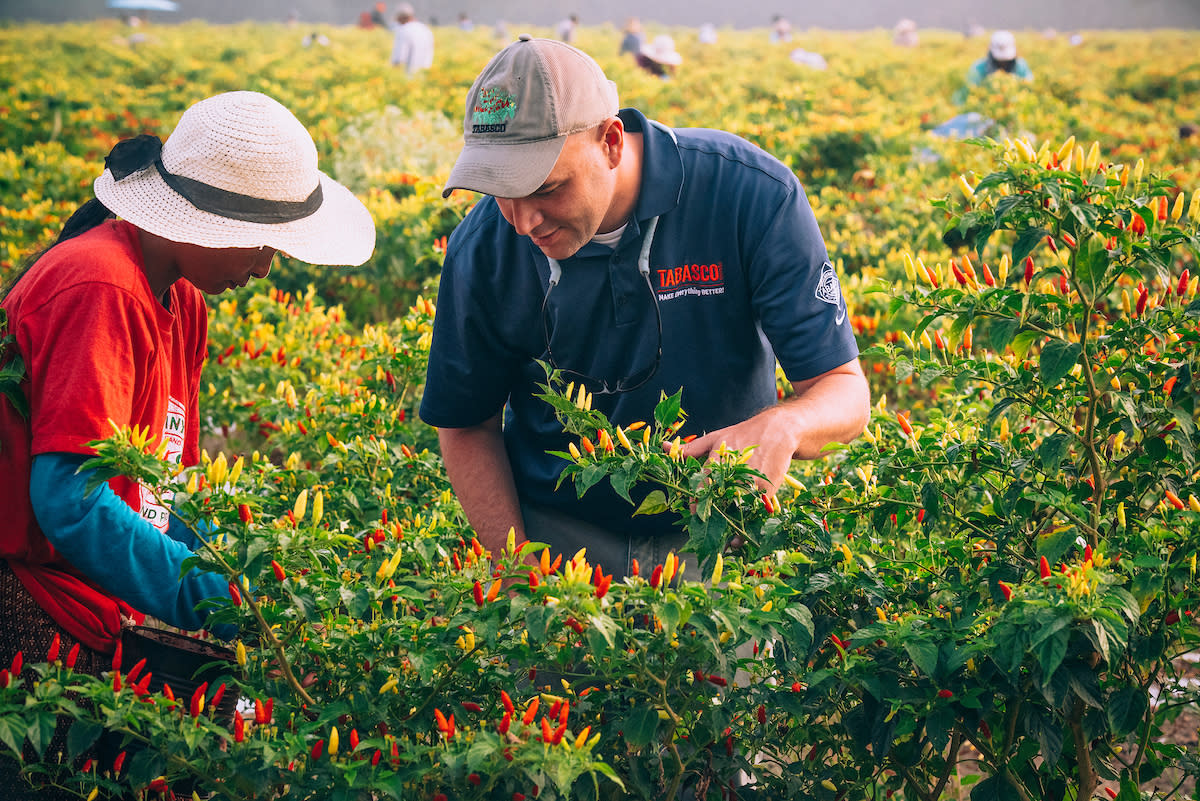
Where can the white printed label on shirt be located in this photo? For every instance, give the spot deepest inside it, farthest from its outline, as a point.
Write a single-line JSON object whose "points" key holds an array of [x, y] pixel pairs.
{"points": [[830, 291], [173, 429]]}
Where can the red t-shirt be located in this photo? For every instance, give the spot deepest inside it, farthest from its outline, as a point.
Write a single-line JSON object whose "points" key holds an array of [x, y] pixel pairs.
{"points": [[97, 346]]}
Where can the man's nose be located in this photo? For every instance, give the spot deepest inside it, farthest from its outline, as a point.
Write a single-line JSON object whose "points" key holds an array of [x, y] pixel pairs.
{"points": [[522, 215]]}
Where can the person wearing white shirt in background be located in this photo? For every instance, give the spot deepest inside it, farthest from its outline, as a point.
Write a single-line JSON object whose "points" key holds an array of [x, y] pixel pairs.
{"points": [[413, 43]]}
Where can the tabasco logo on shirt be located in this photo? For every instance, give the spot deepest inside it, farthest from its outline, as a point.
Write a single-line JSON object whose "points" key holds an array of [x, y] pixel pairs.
{"points": [[173, 430], [689, 279]]}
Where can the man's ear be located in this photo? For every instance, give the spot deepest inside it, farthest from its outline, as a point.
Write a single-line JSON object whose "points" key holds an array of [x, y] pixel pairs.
{"points": [[612, 135]]}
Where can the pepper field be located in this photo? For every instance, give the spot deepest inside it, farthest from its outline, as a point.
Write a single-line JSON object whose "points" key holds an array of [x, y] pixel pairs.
{"points": [[989, 595]]}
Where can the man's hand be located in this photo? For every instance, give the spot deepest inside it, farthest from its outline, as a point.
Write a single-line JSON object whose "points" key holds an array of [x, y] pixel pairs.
{"points": [[832, 407]]}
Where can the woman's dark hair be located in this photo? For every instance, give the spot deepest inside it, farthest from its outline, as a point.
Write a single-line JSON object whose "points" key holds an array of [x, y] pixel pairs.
{"points": [[84, 219]]}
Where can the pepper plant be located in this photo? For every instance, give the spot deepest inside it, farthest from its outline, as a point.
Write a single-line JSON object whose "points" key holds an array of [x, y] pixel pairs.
{"points": [[982, 597]]}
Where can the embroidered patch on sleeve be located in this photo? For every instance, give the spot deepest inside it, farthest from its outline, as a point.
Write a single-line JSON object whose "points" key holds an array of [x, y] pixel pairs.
{"points": [[829, 290]]}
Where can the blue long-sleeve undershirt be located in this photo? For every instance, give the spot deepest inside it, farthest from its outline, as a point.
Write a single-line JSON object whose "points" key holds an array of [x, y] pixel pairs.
{"points": [[111, 544]]}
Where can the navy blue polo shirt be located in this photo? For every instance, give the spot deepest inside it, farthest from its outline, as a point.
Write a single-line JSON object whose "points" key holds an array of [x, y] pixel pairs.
{"points": [[741, 277]]}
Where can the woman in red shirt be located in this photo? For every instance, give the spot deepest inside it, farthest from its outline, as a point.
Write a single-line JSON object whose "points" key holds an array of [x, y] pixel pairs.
{"points": [[111, 323]]}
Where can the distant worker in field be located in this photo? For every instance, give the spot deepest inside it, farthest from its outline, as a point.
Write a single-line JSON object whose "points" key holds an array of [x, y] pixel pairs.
{"points": [[659, 57], [781, 29], [637, 259], [633, 37], [1001, 57], [412, 45], [905, 34], [110, 324], [568, 28]]}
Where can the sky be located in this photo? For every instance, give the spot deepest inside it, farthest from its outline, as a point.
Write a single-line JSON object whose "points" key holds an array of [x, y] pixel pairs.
{"points": [[1064, 15]]}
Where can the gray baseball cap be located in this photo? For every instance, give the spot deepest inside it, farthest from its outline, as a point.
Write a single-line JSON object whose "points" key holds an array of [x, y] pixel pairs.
{"points": [[529, 98]]}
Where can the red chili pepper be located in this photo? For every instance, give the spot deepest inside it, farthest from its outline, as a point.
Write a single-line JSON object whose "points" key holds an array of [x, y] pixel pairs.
{"points": [[762, 714], [1063, 286], [1050, 242], [602, 586], [1111, 792], [1172, 618], [198, 699], [239, 728], [215, 701], [958, 276], [55, 647], [376, 757], [474, 779], [72, 655], [1005, 590], [477, 591], [1137, 226], [135, 671], [118, 762], [319, 746], [354, 739], [905, 425], [1087, 553], [985, 729], [471, 706], [530, 712], [945, 694], [278, 569], [988, 278], [395, 757], [116, 660], [1028, 269], [507, 701], [717, 680], [244, 514], [797, 687], [1174, 499], [1182, 286], [533, 579], [547, 734], [235, 594], [260, 712], [575, 624], [656, 575], [634, 568], [505, 722], [1044, 567]]}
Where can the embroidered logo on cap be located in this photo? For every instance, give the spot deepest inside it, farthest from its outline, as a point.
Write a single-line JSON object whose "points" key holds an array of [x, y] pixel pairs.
{"points": [[493, 111], [830, 291]]}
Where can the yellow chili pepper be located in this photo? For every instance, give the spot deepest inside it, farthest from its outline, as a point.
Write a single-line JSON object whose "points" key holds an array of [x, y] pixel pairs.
{"points": [[301, 505]]}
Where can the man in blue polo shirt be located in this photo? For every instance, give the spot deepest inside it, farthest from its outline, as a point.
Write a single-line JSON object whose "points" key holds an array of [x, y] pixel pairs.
{"points": [[642, 260]]}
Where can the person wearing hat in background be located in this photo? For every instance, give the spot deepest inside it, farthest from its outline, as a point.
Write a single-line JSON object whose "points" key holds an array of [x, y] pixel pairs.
{"points": [[659, 57], [632, 37], [638, 259], [412, 46], [110, 323], [1001, 57]]}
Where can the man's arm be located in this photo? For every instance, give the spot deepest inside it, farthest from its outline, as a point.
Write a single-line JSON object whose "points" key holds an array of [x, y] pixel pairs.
{"points": [[832, 407], [477, 464]]}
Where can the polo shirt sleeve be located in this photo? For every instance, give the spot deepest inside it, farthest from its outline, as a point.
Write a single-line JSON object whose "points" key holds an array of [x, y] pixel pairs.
{"points": [[472, 368], [796, 294]]}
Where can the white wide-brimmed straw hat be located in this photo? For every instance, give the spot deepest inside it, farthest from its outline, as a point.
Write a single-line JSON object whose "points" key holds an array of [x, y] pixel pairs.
{"points": [[662, 50], [238, 171]]}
